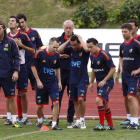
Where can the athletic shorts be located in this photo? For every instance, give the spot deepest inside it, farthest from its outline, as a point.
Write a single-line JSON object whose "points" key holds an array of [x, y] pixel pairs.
{"points": [[22, 79], [42, 95], [77, 91], [138, 85], [129, 85], [8, 87], [103, 92], [31, 78]]}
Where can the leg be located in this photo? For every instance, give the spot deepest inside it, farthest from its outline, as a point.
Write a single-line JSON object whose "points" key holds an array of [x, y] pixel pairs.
{"points": [[138, 96], [77, 111], [82, 107]]}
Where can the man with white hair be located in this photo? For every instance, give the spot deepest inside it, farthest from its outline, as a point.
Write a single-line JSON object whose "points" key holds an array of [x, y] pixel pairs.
{"points": [[68, 27]]}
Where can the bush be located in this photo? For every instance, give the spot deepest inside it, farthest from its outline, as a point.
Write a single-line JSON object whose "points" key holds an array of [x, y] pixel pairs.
{"points": [[70, 2], [89, 16], [125, 12]]}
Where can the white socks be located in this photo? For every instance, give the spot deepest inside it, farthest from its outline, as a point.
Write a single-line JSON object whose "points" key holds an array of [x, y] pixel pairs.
{"points": [[53, 124], [134, 120], [128, 116], [24, 116], [14, 118], [9, 115], [40, 120], [82, 119]]}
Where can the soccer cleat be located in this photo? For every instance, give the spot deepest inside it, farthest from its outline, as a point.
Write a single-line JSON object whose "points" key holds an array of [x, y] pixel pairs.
{"points": [[26, 122], [127, 126], [38, 125], [8, 122], [75, 126], [56, 127], [83, 125], [49, 123], [109, 127], [15, 124], [20, 120], [70, 121], [43, 118], [99, 127], [126, 122], [134, 126]]}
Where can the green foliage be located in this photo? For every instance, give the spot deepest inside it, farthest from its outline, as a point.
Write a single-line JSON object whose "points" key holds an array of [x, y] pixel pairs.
{"points": [[70, 2], [128, 10], [89, 16]]}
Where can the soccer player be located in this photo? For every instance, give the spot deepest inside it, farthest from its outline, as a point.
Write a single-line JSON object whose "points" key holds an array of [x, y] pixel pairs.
{"points": [[135, 26], [129, 63], [24, 43], [37, 42], [68, 26], [103, 69], [9, 68], [79, 55], [45, 63]]}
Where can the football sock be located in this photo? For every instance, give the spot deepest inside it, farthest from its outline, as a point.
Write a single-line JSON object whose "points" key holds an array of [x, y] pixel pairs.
{"points": [[40, 120], [101, 111], [108, 117], [19, 107], [128, 116], [14, 118], [53, 124], [9, 115], [24, 116], [82, 119]]}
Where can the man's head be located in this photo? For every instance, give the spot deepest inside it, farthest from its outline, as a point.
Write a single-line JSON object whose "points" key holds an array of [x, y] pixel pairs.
{"points": [[22, 21], [13, 22], [126, 30], [75, 43], [135, 25], [53, 44], [2, 29], [92, 45], [68, 26]]}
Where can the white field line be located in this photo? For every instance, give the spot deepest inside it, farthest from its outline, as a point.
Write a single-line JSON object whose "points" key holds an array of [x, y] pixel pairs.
{"points": [[22, 134]]}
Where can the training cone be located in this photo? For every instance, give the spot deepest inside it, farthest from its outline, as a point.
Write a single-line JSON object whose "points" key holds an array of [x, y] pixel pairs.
{"points": [[44, 128]]}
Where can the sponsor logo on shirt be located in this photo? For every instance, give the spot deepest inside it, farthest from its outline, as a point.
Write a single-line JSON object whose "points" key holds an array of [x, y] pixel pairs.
{"points": [[132, 88], [82, 91], [12, 90], [57, 94], [97, 70], [5, 49], [44, 61], [76, 64], [128, 58], [48, 70], [100, 90]]}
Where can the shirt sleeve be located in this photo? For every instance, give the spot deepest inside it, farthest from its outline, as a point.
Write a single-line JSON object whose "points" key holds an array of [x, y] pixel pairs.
{"points": [[16, 56], [120, 51], [38, 41], [35, 60], [67, 50], [58, 62], [28, 42], [91, 61]]}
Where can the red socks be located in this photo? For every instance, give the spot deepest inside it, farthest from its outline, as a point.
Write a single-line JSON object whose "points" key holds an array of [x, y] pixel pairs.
{"points": [[101, 111], [108, 117], [19, 107]]}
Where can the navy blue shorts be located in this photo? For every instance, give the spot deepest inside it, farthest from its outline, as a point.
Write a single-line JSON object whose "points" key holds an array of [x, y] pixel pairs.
{"points": [[103, 92], [31, 78], [77, 90], [42, 95], [138, 85], [129, 85], [8, 87], [22, 80]]}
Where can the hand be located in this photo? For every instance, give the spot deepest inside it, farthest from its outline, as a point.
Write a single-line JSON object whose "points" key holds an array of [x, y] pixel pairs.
{"points": [[79, 37], [117, 79], [101, 84], [64, 56], [39, 84], [135, 72], [59, 86], [15, 76], [18, 41], [91, 87]]}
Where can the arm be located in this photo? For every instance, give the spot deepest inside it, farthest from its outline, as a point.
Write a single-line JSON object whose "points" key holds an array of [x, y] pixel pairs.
{"points": [[83, 44], [26, 48], [59, 78], [120, 63], [109, 75], [92, 80], [117, 75], [39, 83], [62, 47]]}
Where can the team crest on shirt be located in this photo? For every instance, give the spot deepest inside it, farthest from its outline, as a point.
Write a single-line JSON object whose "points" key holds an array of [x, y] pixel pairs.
{"points": [[130, 50], [59, 42], [122, 51], [92, 62], [98, 62], [6, 45], [33, 38], [71, 54], [12, 93], [54, 62], [80, 54]]}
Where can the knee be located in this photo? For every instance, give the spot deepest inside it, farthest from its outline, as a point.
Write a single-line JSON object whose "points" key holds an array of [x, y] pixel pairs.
{"points": [[56, 104], [11, 99], [80, 100], [39, 107], [130, 98], [23, 95], [99, 101]]}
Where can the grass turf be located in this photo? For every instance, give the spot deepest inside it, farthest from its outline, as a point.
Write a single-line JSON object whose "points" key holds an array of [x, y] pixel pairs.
{"points": [[30, 133]]}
